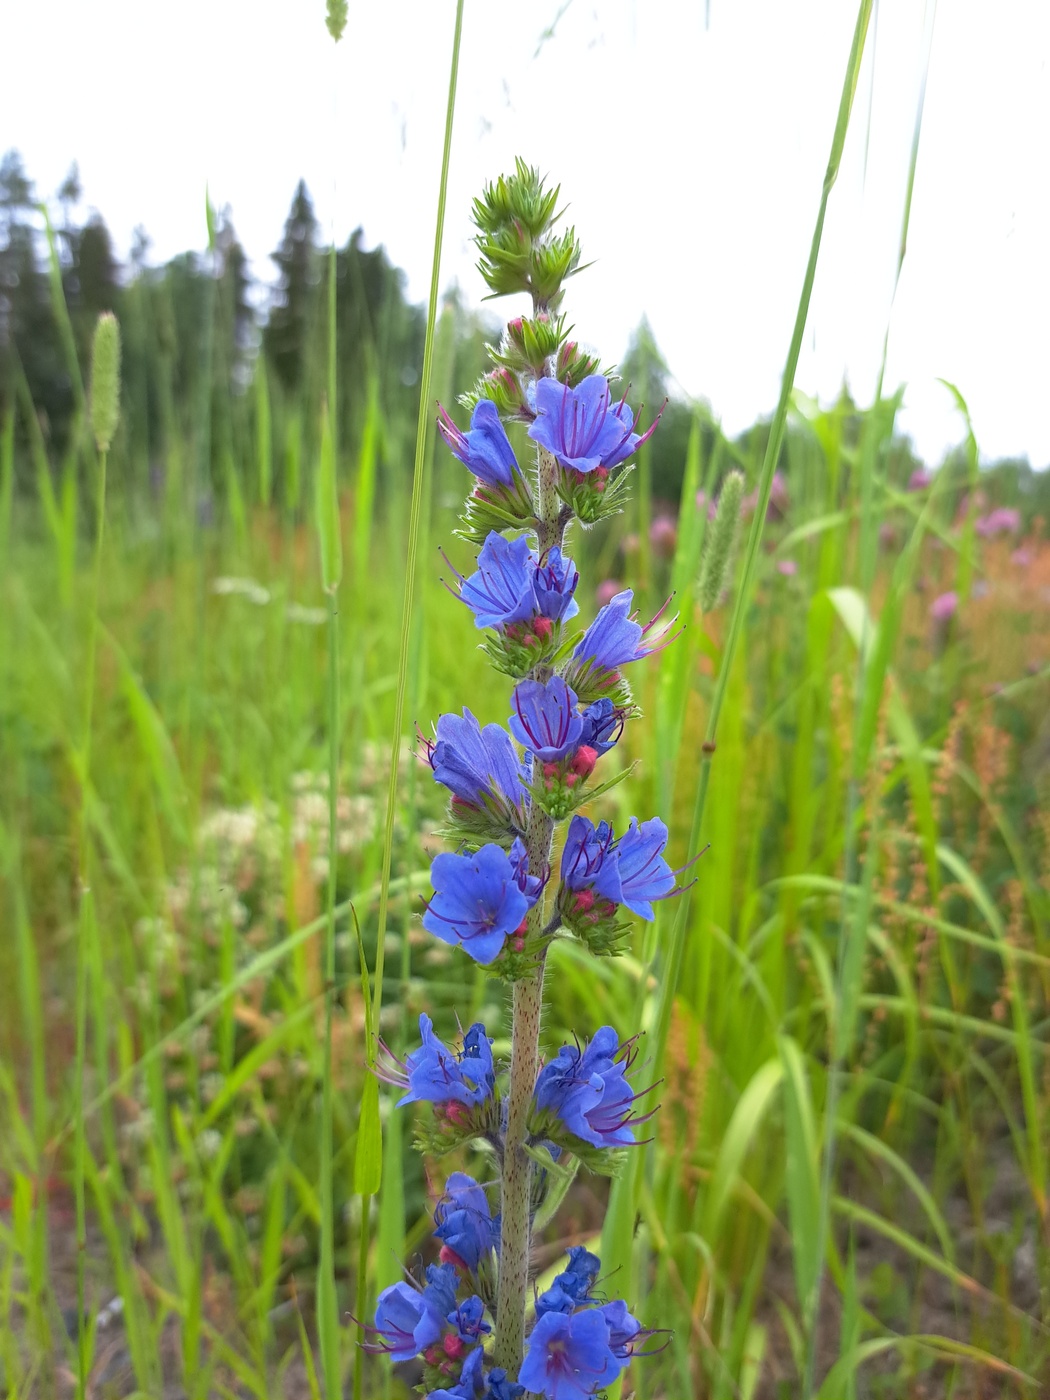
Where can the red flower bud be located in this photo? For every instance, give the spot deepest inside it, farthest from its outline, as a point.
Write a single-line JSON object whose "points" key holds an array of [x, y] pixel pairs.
{"points": [[543, 627], [453, 1346], [584, 901], [456, 1113], [583, 763], [432, 1356], [449, 1256], [550, 770]]}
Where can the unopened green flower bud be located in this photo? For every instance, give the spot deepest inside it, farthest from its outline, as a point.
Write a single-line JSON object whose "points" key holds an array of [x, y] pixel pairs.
{"points": [[574, 364], [105, 380], [552, 262], [517, 199], [528, 343], [721, 541], [503, 388]]}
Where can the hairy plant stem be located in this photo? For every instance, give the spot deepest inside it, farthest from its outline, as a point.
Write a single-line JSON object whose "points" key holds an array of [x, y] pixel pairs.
{"points": [[515, 1244]]}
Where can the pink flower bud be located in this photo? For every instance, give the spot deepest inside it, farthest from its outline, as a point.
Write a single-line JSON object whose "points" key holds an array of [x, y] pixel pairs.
{"points": [[453, 1346], [583, 763], [543, 627]]}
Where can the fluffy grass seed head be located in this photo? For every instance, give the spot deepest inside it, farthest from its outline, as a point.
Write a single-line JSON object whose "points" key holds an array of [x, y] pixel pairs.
{"points": [[335, 18], [105, 380], [722, 541]]}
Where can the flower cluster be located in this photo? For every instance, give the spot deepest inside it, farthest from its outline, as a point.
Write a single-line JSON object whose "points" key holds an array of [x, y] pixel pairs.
{"points": [[577, 1344], [498, 892]]}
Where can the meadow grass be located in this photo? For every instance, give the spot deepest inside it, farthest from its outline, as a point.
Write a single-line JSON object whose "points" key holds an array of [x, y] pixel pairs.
{"points": [[845, 1191]]}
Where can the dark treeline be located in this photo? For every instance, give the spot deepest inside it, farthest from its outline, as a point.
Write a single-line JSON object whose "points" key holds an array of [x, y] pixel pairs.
{"points": [[224, 378], [203, 345]]}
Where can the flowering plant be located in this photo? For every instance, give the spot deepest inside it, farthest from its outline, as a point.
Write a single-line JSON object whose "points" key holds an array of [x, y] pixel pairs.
{"points": [[471, 1318]]}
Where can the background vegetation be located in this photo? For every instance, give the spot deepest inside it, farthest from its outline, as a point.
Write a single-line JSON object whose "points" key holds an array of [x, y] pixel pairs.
{"points": [[877, 820]]}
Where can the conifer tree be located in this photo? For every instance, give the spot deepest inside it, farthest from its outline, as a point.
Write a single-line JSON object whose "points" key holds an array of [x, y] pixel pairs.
{"points": [[297, 262]]}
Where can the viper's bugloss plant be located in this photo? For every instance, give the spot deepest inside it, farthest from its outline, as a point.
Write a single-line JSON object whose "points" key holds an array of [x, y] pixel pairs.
{"points": [[474, 1318]]}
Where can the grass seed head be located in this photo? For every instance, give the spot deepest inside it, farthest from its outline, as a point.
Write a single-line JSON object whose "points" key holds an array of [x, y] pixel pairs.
{"points": [[105, 380]]}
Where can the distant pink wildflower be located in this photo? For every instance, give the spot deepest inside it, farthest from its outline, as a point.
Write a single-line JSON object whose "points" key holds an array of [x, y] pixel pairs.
{"points": [[945, 606]]}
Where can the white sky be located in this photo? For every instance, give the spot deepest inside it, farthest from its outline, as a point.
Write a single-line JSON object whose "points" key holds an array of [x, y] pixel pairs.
{"points": [[691, 154]]}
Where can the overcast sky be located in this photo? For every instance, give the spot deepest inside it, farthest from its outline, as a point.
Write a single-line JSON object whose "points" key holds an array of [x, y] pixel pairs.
{"points": [[690, 138]]}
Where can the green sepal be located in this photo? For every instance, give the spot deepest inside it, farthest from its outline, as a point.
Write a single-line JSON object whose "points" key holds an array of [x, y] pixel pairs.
{"points": [[528, 343], [574, 365], [592, 683], [455, 1125], [511, 965], [517, 199], [559, 800], [587, 503], [497, 508], [502, 387], [514, 658], [548, 1127], [605, 937], [472, 827]]}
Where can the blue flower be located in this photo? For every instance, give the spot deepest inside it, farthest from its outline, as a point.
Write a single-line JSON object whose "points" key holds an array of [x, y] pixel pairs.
{"points": [[468, 1320], [502, 591], [440, 1290], [530, 885], [614, 638], [479, 766], [501, 1388], [436, 1074], [479, 899], [602, 725], [512, 588], [464, 1223], [644, 874], [589, 861], [588, 1090], [571, 1289], [624, 1329], [569, 1356], [485, 449], [466, 1388], [555, 583], [581, 427], [408, 1320], [545, 719]]}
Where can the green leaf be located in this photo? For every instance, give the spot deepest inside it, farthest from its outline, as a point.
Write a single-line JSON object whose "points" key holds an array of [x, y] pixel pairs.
{"points": [[803, 1175], [744, 1124], [327, 510], [368, 1152]]}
